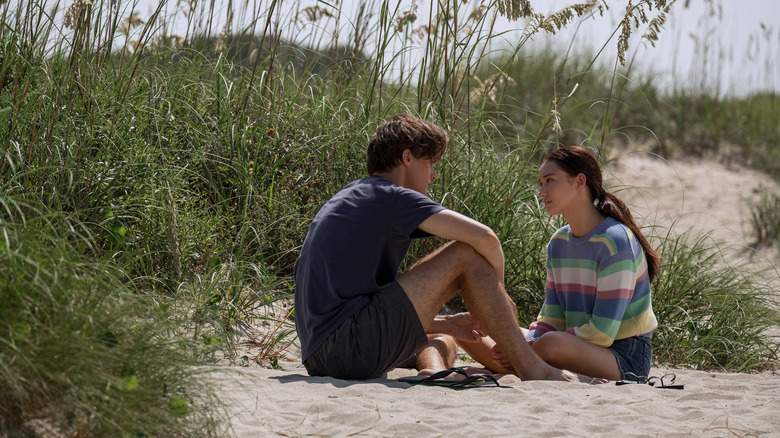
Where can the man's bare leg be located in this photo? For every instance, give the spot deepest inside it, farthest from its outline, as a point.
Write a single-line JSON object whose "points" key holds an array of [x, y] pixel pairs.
{"points": [[482, 352], [441, 354], [457, 266]]}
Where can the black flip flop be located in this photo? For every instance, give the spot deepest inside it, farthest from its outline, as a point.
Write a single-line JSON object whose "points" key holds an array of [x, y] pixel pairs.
{"points": [[438, 379]]}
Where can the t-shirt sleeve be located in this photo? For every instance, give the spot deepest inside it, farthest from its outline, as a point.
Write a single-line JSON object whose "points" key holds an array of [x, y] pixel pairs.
{"points": [[412, 209]]}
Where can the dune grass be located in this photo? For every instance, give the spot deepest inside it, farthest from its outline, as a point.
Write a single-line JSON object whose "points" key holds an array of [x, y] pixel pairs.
{"points": [[81, 349], [158, 182], [765, 219]]}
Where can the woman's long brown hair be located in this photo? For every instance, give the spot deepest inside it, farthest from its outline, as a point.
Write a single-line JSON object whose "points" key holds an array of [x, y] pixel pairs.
{"points": [[575, 160]]}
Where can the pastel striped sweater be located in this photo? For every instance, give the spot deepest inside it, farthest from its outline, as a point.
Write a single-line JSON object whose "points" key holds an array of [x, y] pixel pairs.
{"points": [[597, 286]]}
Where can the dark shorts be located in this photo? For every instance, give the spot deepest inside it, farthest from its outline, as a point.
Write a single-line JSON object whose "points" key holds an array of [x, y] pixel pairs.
{"points": [[381, 336], [634, 356]]}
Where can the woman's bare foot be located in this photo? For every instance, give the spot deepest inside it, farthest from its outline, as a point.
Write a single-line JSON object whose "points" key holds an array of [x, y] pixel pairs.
{"points": [[568, 376]]}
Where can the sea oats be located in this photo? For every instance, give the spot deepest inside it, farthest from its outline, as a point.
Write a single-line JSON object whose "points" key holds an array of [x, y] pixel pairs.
{"points": [[478, 12], [766, 30], [406, 18], [132, 21], [635, 16], [75, 12], [515, 9], [420, 32], [654, 27], [556, 120], [488, 90], [186, 6], [625, 32], [314, 13]]}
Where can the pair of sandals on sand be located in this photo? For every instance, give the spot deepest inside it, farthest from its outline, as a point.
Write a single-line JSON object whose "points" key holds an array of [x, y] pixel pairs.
{"points": [[666, 381]]}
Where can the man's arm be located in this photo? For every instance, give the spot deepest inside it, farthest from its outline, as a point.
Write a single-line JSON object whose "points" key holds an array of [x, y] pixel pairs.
{"points": [[455, 226]]}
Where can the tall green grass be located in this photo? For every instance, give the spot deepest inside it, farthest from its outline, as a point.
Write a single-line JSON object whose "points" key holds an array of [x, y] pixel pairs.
{"points": [[80, 348], [765, 219], [713, 313], [159, 177]]}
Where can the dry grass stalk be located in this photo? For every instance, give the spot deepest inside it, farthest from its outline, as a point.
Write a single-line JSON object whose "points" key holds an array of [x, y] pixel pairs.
{"points": [[406, 18], [129, 23], [515, 9], [75, 13]]}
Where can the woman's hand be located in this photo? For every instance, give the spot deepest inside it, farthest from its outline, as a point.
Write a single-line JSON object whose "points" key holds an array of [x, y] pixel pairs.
{"points": [[500, 359]]}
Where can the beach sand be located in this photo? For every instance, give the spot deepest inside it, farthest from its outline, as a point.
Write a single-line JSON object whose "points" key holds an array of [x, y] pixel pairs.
{"points": [[267, 402], [693, 194]]}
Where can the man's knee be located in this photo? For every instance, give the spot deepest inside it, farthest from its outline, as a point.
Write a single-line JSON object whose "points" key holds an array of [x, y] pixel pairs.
{"points": [[468, 257], [445, 345], [441, 341]]}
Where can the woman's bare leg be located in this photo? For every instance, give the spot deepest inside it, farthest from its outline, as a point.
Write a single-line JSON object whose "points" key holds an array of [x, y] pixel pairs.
{"points": [[564, 350]]}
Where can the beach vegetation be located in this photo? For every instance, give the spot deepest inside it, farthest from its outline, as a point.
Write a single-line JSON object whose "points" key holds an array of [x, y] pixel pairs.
{"points": [[159, 172], [765, 219]]}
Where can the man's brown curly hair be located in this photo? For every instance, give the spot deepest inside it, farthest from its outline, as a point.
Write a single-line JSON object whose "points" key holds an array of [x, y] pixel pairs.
{"points": [[401, 132]]}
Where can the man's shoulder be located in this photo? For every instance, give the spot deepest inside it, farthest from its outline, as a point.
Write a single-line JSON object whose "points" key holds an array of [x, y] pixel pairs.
{"points": [[376, 193], [380, 187], [364, 188]]}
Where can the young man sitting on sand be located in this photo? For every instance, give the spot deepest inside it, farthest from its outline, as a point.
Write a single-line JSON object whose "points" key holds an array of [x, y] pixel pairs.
{"points": [[356, 317]]}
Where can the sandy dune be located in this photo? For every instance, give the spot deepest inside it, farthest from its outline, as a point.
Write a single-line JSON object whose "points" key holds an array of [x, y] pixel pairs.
{"points": [[691, 194], [265, 402]]}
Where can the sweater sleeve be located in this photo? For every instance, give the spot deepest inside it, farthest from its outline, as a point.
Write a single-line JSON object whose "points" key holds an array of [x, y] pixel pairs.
{"points": [[551, 317]]}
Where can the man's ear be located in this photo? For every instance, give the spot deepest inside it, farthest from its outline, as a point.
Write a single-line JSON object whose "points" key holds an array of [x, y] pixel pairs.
{"points": [[406, 156]]}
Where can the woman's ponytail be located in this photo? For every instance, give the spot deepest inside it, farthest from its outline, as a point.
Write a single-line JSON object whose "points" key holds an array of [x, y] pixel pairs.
{"points": [[615, 208]]}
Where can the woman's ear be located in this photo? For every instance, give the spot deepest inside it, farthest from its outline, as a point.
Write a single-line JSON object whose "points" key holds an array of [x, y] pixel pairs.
{"points": [[582, 180]]}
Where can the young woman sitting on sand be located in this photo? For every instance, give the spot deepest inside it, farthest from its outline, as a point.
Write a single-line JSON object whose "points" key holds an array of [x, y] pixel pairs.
{"points": [[597, 318]]}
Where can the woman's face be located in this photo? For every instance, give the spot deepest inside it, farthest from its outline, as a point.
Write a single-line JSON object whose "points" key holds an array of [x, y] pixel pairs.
{"points": [[556, 188]]}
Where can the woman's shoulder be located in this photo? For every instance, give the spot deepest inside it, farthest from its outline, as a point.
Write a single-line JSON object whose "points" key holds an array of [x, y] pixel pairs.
{"points": [[621, 236], [617, 229], [561, 233]]}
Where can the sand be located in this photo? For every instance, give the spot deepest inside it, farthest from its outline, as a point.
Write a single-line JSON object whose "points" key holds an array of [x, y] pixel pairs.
{"points": [[696, 195], [692, 194], [266, 402]]}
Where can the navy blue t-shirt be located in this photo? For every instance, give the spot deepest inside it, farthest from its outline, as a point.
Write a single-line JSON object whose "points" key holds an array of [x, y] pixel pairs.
{"points": [[354, 248]]}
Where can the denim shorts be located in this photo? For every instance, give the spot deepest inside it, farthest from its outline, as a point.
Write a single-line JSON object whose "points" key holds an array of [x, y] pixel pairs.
{"points": [[634, 356], [381, 336]]}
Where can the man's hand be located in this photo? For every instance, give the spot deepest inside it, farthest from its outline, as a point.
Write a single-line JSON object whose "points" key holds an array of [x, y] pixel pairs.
{"points": [[463, 327]]}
